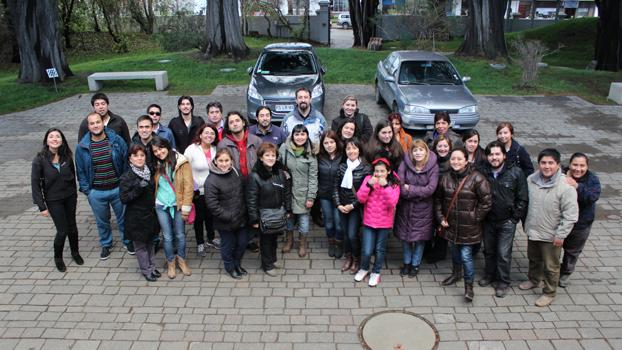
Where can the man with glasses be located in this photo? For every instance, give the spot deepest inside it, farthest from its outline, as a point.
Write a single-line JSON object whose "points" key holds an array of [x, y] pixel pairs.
{"points": [[155, 113]]}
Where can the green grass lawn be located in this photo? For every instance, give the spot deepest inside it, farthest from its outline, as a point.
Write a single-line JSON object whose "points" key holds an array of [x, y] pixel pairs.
{"points": [[190, 74]]}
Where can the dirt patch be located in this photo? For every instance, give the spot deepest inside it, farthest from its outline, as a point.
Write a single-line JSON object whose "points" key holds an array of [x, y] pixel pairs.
{"points": [[597, 120], [15, 205]]}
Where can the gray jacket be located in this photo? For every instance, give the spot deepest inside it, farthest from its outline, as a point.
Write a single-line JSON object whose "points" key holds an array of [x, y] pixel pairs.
{"points": [[553, 207], [252, 144], [303, 170]]}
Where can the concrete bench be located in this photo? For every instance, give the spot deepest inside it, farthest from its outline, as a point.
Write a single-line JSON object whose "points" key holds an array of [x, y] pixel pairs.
{"points": [[615, 93], [160, 77]]}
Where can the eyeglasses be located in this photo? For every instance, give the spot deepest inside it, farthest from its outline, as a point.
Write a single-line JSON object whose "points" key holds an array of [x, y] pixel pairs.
{"points": [[155, 113]]}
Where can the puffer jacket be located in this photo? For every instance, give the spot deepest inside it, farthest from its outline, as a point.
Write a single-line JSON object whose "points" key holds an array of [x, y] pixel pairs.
{"points": [[472, 205], [327, 171], [443, 165], [588, 192], [509, 194], [183, 183], [303, 170], [267, 189], [224, 197], [345, 196], [138, 195], [364, 128], [415, 212], [378, 203]]}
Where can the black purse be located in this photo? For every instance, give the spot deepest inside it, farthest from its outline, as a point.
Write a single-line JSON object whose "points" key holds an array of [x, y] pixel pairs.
{"points": [[272, 220]]}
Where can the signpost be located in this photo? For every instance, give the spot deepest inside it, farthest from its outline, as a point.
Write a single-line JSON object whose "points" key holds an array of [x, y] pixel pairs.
{"points": [[52, 74]]}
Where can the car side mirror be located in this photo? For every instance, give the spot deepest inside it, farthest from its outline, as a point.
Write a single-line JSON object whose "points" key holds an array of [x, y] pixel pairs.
{"points": [[323, 69], [389, 79], [249, 70], [466, 79]]}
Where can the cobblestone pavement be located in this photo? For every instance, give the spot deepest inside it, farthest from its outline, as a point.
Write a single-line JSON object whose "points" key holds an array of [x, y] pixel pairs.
{"points": [[311, 305]]}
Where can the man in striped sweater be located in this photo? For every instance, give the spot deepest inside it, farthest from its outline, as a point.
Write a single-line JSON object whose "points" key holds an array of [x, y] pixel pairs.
{"points": [[101, 159]]}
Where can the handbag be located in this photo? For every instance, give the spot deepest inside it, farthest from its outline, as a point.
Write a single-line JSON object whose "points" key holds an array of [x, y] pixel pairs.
{"points": [[440, 230], [272, 220], [193, 212]]}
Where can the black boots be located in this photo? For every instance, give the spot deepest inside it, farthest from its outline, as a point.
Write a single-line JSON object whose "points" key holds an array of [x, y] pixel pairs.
{"points": [[60, 264], [456, 275], [468, 291], [338, 249]]}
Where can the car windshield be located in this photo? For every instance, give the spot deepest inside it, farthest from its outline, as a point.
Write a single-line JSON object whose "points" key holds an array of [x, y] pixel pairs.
{"points": [[286, 63], [428, 73]]}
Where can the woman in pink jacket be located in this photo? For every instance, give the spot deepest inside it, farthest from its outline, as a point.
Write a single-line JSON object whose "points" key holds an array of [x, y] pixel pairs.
{"points": [[379, 194]]}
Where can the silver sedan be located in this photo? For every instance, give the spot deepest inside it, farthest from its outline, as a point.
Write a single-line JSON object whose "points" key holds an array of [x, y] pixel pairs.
{"points": [[418, 84]]}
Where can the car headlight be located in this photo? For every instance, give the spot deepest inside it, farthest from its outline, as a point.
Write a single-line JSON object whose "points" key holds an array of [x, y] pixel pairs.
{"points": [[415, 109], [252, 92], [468, 109], [317, 91]]}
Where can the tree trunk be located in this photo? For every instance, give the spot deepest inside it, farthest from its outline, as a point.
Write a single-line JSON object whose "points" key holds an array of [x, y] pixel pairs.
{"points": [[485, 33], [38, 36], [96, 27], [608, 48], [223, 31], [362, 16], [65, 18]]}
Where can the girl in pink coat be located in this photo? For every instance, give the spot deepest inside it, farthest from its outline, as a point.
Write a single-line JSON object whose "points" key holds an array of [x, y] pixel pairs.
{"points": [[379, 194]]}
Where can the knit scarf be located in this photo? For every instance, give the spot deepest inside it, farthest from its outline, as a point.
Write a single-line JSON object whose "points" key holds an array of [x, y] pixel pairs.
{"points": [[347, 177], [143, 172]]}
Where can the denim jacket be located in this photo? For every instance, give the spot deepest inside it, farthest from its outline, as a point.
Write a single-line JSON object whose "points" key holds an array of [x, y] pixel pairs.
{"points": [[84, 164]]}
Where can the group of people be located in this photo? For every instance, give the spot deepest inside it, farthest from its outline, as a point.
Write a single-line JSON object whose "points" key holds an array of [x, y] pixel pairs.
{"points": [[256, 183]]}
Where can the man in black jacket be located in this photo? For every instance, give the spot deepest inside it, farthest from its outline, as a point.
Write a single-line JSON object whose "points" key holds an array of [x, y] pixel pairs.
{"points": [[100, 102], [186, 124], [509, 206]]}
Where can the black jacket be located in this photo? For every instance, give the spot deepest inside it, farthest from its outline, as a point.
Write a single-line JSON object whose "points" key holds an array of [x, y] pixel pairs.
{"points": [[224, 197], [138, 195], [509, 194], [116, 123], [327, 171], [149, 158], [49, 184], [364, 130], [183, 136], [344, 196], [267, 189], [518, 155]]}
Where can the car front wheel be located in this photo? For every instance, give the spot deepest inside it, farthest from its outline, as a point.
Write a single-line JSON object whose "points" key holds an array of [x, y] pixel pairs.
{"points": [[377, 93]]}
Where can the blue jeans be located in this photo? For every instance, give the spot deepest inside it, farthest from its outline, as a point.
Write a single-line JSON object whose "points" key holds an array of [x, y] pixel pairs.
{"points": [[374, 239], [350, 224], [232, 247], [172, 229], [332, 220], [300, 220], [413, 252], [462, 254], [498, 239], [100, 202]]}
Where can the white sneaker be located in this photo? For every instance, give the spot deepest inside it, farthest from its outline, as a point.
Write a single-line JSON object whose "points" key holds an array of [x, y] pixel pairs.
{"points": [[374, 279], [201, 250], [360, 275]]}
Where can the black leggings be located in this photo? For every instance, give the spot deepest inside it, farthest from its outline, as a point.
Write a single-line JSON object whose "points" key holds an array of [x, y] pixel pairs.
{"points": [[63, 213], [203, 218]]}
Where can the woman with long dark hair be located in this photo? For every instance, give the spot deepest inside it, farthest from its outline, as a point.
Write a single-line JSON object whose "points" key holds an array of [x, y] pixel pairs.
{"points": [[347, 130], [174, 191], [328, 160], [471, 140], [53, 183], [383, 144], [400, 134]]}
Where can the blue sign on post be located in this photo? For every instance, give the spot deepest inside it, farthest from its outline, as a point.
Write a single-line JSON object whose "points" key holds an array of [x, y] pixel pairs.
{"points": [[52, 74]]}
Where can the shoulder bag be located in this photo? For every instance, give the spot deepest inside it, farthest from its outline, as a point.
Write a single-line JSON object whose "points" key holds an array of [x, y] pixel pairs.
{"points": [[440, 230]]}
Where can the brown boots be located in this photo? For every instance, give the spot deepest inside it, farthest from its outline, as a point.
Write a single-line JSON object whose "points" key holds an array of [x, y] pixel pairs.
{"points": [[356, 263], [183, 266], [456, 275], [170, 269], [347, 263], [468, 291], [289, 242], [171, 266], [302, 247]]}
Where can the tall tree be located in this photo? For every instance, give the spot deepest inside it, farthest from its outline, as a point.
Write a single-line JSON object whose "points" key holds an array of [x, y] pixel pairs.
{"points": [[38, 36], [608, 48], [223, 31], [485, 34], [66, 10], [363, 18], [142, 12]]}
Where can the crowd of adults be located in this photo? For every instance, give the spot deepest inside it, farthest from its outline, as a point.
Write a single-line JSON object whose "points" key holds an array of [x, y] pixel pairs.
{"points": [[253, 184]]}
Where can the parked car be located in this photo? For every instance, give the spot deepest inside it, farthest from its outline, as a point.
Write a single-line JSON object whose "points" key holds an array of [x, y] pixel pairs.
{"points": [[343, 20], [280, 70], [418, 84]]}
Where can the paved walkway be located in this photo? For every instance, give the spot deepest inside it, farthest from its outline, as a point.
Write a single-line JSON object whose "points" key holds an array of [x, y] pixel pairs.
{"points": [[108, 305]]}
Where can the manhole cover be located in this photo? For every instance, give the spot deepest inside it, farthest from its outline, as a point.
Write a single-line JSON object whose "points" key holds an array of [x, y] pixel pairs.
{"points": [[384, 330]]}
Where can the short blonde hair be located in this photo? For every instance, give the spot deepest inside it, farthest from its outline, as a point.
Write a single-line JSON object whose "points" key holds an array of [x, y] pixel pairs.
{"points": [[419, 144]]}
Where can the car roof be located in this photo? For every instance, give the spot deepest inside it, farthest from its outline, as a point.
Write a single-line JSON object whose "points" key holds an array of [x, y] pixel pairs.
{"points": [[288, 46], [416, 55]]}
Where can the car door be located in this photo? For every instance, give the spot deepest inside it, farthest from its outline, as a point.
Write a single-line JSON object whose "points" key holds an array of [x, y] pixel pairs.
{"points": [[391, 87], [382, 73]]}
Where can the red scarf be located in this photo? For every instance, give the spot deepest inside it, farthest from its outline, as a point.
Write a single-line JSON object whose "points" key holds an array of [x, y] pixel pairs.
{"points": [[241, 145]]}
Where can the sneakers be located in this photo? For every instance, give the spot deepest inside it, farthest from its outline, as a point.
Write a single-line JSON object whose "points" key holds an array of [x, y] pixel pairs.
{"points": [[130, 248], [214, 243], [374, 279], [564, 280], [105, 254], [201, 250], [360, 275], [527, 285], [544, 300], [272, 272]]}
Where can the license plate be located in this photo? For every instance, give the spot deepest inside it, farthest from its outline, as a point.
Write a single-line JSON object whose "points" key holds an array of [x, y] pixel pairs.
{"points": [[284, 108]]}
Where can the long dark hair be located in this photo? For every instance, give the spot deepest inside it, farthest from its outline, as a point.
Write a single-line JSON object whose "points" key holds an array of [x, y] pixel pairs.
{"points": [[64, 151], [180, 99], [329, 134], [170, 160], [377, 148], [342, 124]]}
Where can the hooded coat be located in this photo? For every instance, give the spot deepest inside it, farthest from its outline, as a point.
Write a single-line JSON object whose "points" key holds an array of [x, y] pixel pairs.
{"points": [[415, 212], [267, 189], [303, 170], [224, 198]]}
